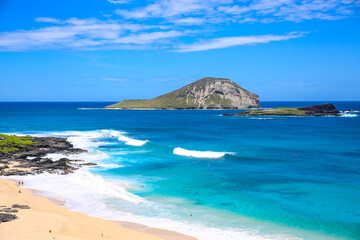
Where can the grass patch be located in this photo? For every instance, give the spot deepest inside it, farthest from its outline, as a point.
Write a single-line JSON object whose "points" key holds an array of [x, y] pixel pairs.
{"points": [[173, 100], [215, 100], [9, 143], [275, 112]]}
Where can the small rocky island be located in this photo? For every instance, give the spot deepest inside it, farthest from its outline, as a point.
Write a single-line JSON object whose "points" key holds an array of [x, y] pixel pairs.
{"points": [[23, 155], [206, 93], [317, 110]]}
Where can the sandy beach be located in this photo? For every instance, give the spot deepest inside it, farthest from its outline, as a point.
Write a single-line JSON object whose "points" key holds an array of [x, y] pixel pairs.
{"points": [[47, 220]]}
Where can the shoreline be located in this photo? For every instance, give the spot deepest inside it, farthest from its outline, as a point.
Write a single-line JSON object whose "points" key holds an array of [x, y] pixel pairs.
{"points": [[29, 155], [49, 216]]}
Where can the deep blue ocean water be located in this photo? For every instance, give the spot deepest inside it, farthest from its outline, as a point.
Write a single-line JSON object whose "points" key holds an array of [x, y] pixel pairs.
{"points": [[279, 177]]}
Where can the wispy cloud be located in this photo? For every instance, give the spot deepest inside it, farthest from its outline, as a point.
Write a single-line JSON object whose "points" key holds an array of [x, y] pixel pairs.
{"points": [[171, 8], [147, 38], [85, 34], [175, 19], [119, 1], [189, 21], [243, 11], [226, 42], [47, 20]]}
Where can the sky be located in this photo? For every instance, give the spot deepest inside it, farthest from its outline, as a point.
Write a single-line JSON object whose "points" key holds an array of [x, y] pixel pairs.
{"points": [[111, 50]]}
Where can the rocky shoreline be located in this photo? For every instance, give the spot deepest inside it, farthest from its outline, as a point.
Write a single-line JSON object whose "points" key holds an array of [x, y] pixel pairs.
{"points": [[31, 158]]}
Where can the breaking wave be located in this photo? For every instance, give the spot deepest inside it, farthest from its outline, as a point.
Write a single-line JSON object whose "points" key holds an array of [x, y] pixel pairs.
{"points": [[349, 114], [198, 154], [121, 137]]}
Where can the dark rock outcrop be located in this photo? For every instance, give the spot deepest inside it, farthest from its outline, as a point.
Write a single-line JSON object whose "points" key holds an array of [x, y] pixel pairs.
{"points": [[5, 217], [20, 206], [321, 110], [8, 210]]}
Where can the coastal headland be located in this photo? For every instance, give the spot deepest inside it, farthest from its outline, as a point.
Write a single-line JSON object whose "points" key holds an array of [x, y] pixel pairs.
{"points": [[23, 155]]}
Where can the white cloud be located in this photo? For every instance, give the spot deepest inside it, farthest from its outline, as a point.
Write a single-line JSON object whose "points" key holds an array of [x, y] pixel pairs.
{"points": [[226, 42], [47, 19], [146, 38], [119, 1], [189, 21], [85, 34], [229, 10], [171, 8], [175, 18]]}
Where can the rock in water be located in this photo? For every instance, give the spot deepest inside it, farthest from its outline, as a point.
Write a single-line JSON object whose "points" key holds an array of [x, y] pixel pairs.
{"points": [[206, 93], [321, 110]]}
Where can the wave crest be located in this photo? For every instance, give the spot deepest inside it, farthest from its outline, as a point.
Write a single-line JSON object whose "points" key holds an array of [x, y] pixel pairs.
{"points": [[349, 114], [198, 154], [121, 137]]}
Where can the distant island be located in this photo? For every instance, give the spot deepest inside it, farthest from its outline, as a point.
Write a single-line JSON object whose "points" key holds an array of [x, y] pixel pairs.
{"points": [[206, 93], [317, 110]]}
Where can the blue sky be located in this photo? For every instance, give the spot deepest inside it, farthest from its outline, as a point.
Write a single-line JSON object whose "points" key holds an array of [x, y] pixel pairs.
{"points": [[110, 50]]}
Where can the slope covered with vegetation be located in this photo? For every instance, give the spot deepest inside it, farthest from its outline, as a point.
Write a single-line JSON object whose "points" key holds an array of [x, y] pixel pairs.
{"points": [[10, 143]]}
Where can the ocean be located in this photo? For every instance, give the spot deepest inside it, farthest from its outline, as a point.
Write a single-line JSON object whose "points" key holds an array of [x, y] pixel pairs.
{"points": [[202, 174]]}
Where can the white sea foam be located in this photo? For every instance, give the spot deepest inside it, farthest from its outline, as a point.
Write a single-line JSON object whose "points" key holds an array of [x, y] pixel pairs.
{"points": [[87, 156], [349, 114], [111, 133], [85, 140], [89, 193], [78, 185], [121, 137], [109, 165], [198, 154], [91, 141], [132, 142]]}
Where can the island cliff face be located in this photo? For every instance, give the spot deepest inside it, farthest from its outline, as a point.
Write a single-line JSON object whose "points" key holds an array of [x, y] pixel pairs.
{"points": [[206, 93]]}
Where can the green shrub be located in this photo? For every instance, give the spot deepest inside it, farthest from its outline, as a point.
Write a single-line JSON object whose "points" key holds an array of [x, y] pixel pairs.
{"points": [[10, 143]]}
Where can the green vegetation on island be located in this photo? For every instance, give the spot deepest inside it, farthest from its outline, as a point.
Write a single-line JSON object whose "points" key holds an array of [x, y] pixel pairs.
{"points": [[10, 143], [275, 111], [206, 93]]}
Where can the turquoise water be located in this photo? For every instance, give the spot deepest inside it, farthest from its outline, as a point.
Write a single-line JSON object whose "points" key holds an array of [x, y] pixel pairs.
{"points": [[279, 177]]}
